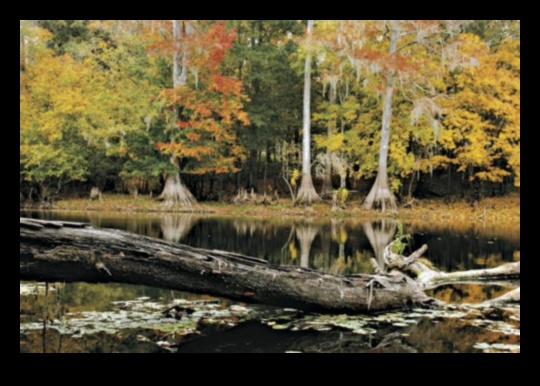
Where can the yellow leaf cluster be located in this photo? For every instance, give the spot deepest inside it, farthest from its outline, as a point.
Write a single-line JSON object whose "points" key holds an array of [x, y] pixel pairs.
{"points": [[482, 120]]}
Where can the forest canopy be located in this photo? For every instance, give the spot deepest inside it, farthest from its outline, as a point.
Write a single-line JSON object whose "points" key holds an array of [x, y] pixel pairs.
{"points": [[197, 110]]}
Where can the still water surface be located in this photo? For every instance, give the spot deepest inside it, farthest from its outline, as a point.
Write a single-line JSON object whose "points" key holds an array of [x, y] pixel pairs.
{"points": [[333, 246]]}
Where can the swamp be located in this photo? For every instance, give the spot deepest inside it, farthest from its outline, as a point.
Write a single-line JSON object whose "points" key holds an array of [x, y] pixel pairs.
{"points": [[80, 317], [283, 186]]}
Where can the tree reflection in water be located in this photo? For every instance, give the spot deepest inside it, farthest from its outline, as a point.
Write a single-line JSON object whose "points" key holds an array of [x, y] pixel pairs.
{"points": [[305, 234], [339, 246], [176, 227], [380, 234]]}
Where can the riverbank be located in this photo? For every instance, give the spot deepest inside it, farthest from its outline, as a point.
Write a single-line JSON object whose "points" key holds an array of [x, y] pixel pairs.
{"points": [[506, 208]]}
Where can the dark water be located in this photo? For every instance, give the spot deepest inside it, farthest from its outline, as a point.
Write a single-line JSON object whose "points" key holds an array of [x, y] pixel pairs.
{"points": [[334, 246]]}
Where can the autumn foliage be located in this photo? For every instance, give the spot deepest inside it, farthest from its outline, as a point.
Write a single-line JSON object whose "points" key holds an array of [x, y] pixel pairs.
{"points": [[100, 105], [482, 119], [210, 106]]}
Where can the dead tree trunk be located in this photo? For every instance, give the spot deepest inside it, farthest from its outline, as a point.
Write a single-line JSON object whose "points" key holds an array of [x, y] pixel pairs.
{"points": [[55, 251], [68, 252], [513, 296], [429, 278]]}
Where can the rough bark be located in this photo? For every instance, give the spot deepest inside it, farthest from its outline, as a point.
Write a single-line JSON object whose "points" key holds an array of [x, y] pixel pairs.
{"points": [[68, 251], [175, 192], [307, 194], [380, 195], [54, 252]]}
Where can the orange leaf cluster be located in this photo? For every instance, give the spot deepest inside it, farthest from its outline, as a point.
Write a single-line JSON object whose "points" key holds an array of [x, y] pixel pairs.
{"points": [[211, 106]]}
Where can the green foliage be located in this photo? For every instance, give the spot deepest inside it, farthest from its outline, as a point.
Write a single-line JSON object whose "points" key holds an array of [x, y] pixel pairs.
{"points": [[494, 32], [56, 112], [206, 108], [93, 105], [400, 240], [261, 58], [66, 34], [78, 115]]}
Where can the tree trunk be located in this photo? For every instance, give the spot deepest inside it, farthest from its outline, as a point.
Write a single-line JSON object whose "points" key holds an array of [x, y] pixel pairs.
{"points": [[24, 61], [180, 68], [380, 195], [253, 171], [177, 58], [306, 193], [55, 251], [175, 192], [327, 189]]}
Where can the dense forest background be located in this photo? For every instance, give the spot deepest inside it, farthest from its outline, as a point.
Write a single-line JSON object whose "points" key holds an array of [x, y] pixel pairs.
{"points": [[201, 109]]}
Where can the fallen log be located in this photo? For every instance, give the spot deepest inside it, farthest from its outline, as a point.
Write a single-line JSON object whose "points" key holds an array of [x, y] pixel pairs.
{"points": [[68, 252], [429, 278], [513, 296], [49, 252]]}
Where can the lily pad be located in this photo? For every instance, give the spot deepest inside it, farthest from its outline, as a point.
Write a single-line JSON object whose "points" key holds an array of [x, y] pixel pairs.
{"points": [[364, 331], [400, 324]]}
